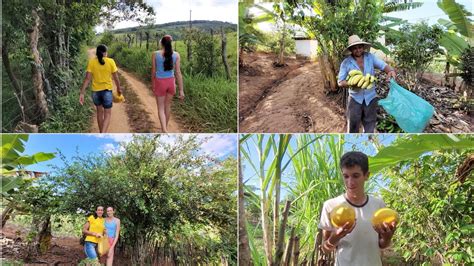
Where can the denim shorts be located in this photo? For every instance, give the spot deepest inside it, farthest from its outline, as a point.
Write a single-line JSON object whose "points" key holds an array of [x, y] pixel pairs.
{"points": [[90, 250], [102, 98]]}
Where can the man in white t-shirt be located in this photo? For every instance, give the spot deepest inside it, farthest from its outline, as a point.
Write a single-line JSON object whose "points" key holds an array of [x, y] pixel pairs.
{"points": [[359, 244]]}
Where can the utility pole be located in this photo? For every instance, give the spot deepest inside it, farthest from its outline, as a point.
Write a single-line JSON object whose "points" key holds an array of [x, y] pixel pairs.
{"points": [[189, 38]]}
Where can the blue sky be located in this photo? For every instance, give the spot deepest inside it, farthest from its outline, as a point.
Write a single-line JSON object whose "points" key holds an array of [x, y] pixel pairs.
{"points": [[429, 12], [178, 10], [222, 145]]}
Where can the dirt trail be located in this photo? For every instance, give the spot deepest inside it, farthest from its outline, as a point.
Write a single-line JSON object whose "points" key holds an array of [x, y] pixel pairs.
{"points": [[120, 120], [292, 100], [148, 101]]}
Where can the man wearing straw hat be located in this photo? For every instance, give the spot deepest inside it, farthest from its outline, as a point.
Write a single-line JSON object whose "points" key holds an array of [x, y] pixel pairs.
{"points": [[362, 103]]}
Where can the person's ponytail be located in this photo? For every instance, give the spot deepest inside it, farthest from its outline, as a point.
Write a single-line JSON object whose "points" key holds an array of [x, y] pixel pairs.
{"points": [[101, 50], [166, 42]]}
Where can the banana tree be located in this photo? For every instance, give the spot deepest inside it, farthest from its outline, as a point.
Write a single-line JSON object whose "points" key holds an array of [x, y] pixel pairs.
{"points": [[414, 146], [458, 35], [13, 167], [249, 35]]}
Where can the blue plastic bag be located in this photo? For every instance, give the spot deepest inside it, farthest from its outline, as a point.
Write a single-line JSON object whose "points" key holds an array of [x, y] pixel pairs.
{"points": [[411, 112]]}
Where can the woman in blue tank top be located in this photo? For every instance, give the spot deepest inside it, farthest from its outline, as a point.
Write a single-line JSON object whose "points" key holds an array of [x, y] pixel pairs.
{"points": [[165, 67], [112, 227]]}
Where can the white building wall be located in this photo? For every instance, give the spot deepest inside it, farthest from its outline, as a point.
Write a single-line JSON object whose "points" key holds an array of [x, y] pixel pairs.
{"points": [[306, 48]]}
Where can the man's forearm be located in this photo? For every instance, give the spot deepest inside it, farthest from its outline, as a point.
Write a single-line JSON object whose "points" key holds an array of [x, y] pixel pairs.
{"points": [[388, 69]]}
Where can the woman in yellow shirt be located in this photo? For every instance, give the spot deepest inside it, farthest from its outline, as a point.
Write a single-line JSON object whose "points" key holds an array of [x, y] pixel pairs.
{"points": [[94, 229], [101, 70]]}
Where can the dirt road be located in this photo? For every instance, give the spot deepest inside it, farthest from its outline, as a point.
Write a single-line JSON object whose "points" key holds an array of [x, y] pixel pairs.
{"points": [[288, 99], [120, 120]]}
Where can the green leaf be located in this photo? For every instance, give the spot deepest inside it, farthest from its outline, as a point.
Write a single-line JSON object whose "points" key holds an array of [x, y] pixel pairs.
{"points": [[459, 16], [454, 44], [415, 145], [36, 158], [12, 146], [9, 183], [381, 47]]}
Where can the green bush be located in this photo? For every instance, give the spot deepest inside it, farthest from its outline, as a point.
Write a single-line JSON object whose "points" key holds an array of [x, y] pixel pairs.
{"points": [[416, 48], [69, 115], [107, 38], [134, 59]]}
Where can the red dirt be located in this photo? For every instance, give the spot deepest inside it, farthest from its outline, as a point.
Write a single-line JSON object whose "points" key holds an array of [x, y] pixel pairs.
{"points": [[63, 251], [285, 99]]}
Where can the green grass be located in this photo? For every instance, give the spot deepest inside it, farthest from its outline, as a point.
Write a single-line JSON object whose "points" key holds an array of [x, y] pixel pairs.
{"points": [[211, 102], [70, 116]]}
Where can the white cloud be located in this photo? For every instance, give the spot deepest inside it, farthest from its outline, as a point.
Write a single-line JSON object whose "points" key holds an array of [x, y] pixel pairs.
{"points": [[178, 10], [112, 149], [115, 137], [220, 144], [217, 144]]}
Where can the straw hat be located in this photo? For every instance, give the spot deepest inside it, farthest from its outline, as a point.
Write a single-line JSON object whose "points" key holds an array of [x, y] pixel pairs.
{"points": [[355, 40]]}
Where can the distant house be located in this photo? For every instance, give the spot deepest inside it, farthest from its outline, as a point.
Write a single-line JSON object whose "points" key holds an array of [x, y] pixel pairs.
{"points": [[305, 46], [30, 174]]}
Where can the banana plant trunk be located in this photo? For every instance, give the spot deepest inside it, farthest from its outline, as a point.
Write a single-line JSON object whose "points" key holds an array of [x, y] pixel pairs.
{"points": [[329, 72]]}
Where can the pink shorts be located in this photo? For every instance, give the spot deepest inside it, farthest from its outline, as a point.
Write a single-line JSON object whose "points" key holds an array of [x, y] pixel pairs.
{"points": [[163, 86], [111, 241]]}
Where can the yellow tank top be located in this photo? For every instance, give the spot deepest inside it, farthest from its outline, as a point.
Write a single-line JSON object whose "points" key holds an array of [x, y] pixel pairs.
{"points": [[96, 226]]}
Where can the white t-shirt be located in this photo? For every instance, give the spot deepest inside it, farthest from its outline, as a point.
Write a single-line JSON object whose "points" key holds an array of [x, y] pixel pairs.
{"points": [[361, 246]]}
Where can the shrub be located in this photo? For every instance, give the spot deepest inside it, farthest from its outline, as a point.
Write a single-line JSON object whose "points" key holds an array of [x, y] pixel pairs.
{"points": [[416, 48], [69, 116]]}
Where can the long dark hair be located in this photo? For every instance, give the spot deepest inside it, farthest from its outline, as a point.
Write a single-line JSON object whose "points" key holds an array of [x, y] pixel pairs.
{"points": [[95, 213], [101, 50], [166, 43]]}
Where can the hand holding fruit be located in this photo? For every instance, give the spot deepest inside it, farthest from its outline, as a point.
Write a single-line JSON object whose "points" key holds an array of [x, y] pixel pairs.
{"points": [[118, 96], [341, 232], [357, 79], [344, 219], [384, 222]]}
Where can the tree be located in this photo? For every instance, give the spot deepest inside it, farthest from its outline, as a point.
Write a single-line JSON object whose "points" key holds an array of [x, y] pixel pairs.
{"points": [[331, 23], [413, 60], [16, 184], [169, 198], [435, 195], [47, 37]]}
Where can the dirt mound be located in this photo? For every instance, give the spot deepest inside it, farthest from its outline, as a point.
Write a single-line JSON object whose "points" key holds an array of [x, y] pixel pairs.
{"points": [[286, 99]]}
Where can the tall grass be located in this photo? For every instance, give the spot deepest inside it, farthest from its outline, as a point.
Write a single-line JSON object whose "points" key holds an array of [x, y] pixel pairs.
{"points": [[210, 104], [311, 175]]}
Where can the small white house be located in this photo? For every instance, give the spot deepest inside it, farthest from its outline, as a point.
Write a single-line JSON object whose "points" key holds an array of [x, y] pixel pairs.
{"points": [[305, 47]]}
